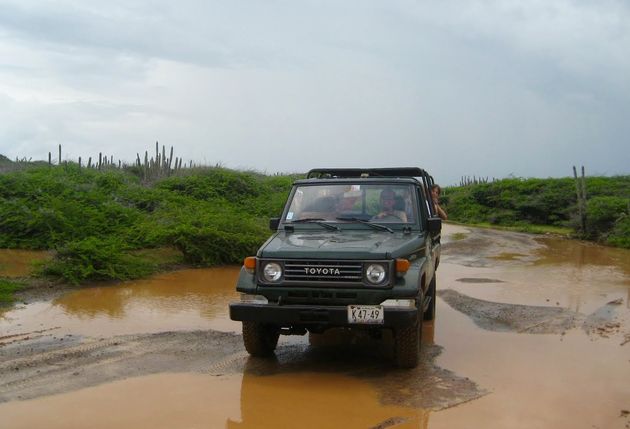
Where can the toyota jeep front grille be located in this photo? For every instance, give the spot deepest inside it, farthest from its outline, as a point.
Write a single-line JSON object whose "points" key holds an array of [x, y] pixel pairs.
{"points": [[323, 271]]}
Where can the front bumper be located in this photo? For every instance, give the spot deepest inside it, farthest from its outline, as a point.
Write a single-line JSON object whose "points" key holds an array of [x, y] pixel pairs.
{"points": [[310, 315]]}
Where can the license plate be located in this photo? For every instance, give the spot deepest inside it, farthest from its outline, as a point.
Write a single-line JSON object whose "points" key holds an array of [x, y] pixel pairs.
{"points": [[365, 314]]}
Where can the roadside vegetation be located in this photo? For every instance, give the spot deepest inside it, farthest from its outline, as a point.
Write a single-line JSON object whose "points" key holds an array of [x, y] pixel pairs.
{"points": [[546, 205], [106, 225], [118, 223], [7, 289]]}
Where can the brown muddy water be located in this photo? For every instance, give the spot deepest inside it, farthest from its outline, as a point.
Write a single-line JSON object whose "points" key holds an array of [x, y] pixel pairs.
{"points": [[20, 263], [181, 300], [530, 333]]}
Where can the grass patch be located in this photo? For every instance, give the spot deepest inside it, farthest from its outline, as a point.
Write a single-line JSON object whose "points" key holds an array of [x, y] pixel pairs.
{"points": [[459, 236], [7, 290]]}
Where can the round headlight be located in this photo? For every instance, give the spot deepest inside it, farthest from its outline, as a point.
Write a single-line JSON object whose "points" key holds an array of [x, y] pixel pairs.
{"points": [[375, 273], [272, 272]]}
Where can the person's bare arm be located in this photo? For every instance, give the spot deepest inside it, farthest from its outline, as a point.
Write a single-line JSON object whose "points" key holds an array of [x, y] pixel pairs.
{"points": [[440, 212]]}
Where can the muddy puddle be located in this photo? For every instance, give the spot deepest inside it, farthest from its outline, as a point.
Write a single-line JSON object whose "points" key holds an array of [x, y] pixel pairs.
{"points": [[530, 270], [181, 300], [530, 332], [20, 263], [305, 400]]}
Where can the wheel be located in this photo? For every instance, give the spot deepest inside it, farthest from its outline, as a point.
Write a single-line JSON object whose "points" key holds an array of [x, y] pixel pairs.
{"points": [[260, 339], [429, 313], [407, 341]]}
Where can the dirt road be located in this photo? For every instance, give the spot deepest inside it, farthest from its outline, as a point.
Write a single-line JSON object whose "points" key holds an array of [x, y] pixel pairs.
{"points": [[530, 332]]}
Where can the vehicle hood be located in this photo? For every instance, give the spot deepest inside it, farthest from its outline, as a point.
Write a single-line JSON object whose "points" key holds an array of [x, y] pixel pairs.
{"points": [[355, 244]]}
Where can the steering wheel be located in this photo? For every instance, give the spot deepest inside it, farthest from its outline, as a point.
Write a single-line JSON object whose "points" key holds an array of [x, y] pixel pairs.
{"points": [[388, 217]]}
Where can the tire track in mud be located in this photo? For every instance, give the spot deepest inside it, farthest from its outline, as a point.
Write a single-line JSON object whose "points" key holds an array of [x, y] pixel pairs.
{"points": [[496, 316], [61, 355], [482, 247], [390, 422], [30, 376], [34, 368], [8, 339], [229, 364], [28, 370]]}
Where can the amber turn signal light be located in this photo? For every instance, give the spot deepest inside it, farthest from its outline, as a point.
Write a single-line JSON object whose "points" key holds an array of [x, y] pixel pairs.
{"points": [[250, 263], [402, 265]]}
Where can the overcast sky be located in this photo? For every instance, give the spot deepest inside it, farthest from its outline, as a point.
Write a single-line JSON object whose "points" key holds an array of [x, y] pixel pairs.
{"points": [[461, 88]]}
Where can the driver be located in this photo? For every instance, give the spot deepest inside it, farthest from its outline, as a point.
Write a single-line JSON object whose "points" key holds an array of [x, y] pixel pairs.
{"points": [[388, 200]]}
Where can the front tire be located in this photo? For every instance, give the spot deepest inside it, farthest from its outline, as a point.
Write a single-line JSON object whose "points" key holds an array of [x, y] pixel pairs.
{"points": [[429, 313], [407, 342], [260, 339]]}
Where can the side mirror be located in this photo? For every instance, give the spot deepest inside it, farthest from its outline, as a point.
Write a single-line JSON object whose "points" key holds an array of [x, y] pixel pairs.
{"points": [[434, 225], [274, 222]]}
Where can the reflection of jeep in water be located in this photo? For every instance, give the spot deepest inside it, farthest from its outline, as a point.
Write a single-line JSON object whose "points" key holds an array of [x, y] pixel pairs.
{"points": [[354, 248]]}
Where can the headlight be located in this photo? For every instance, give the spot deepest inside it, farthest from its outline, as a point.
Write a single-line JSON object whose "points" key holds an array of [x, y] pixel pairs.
{"points": [[272, 272], [375, 273]]}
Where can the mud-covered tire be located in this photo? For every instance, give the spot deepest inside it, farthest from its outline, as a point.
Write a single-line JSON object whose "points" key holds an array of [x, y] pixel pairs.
{"points": [[260, 339], [407, 342], [429, 313]]}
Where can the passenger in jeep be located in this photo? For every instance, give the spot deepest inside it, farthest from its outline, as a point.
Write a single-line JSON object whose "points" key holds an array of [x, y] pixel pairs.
{"points": [[388, 209], [435, 196]]}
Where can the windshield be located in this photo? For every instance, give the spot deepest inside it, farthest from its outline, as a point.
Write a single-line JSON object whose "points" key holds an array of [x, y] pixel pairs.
{"points": [[381, 203]]}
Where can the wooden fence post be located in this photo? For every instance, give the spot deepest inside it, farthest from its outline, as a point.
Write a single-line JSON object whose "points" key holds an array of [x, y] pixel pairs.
{"points": [[580, 189]]}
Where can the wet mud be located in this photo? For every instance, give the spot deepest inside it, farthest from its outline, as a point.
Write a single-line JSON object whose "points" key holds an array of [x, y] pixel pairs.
{"points": [[43, 366], [486, 246], [496, 316], [16, 263], [39, 366], [478, 280], [604, 322]]}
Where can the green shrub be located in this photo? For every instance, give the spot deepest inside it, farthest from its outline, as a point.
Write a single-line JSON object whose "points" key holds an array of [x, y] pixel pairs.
{"points": [[209, 246], [506, 201], [94, 258], [97, 219], [7, 289], [43, 208], [620, 234], [211, 232], [274, 193], [602, 214], [463, 207], [212, 183], [523, 202], [503, 217]]}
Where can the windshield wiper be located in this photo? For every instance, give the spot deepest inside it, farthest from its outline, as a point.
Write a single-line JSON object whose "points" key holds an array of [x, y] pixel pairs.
{"points": [[367, 222], [318, 221]]}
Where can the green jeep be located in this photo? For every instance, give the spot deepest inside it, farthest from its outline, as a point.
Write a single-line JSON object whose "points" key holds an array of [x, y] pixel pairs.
{"points": [[354, 248]]}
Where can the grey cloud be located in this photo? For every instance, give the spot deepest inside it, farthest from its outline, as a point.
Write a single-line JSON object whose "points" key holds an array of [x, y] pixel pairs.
{"points": [[463, 88], [142, 35]]}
